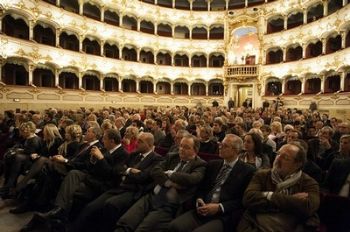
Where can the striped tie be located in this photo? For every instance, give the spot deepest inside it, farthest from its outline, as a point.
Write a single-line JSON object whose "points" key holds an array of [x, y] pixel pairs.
{"points": [[220, 179]]}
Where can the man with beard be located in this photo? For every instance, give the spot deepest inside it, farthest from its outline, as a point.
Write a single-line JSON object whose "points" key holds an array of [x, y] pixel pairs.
{"points": [[284, 198]]}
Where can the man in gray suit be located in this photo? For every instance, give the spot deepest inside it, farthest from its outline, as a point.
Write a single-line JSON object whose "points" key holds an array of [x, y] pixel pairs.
{"points": [[177, 178]]}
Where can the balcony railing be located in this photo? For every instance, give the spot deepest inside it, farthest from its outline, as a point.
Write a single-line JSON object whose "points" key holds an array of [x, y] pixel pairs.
{"points": [[241, 71]]}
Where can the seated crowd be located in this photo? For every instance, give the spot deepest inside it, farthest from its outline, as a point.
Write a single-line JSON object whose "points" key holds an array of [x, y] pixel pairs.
{"points": [[177, 169]]}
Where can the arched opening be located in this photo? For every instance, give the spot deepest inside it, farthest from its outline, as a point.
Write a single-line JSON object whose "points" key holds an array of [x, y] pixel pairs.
{"points": [[163, 58], [14, 74], [199, 33], [216, 89], [181, 32], [334, 5], [129, 54], [200, 5], [274, 56], [43, 78], [91, 11], [165, 3], [273, 88], [180, 89], [69, 41], [235, 4], [111, 17], [147, 27], [315, 13], [146, 87], [347, 83], [313, 49], [146, 57], [182, 4], [68, 80], [217, 5], [332, 84], [295, 19], [216, 60], [110, 84], [44, 34], [216, 33], [91, 46], [163, 87], [333, 44], [255, 2], [198, 89], [129, 86], [70, 5], [294, 53], [52, 2], [199, 61], [313, 86], [181, 60], [293, 87], [91, 82], [347, 39], [275, 24], [111, 51], [164, 30], [15, 27], [129, 23]]}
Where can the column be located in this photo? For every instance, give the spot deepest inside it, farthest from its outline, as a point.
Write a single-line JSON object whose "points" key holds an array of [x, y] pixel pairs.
{"points": [[190, 32], [284, 50], [246, 3], [206, 89], [305, 16], [285, 21], [208, 61], [101, 82], [173, 3], [155, 2], [31, 29], [138, 50], [263, 56], [120, 52], [172, 60], [120, 87], [58, 32], [324, 45], [283, 85], [303, 83], [323, 78], [57, 77], [208, 33], [189, 89], [121, 16], [343, 39], [325, 7], [172, 88], [156, 28], [191, 4], [172, 31], [345, 2], [58, 3], [102, 44], [0, 24], [138, 24], [155, 58], [227, 4], [209, 2], [304, 46], [155, 87], [80, 43], [102, 14], [342, 81], [80, 79], [31, 68], [81, 7], [137, 86]]}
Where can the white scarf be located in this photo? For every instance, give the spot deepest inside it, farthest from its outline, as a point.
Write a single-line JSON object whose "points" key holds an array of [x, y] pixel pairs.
{"points": [[282, 186]]}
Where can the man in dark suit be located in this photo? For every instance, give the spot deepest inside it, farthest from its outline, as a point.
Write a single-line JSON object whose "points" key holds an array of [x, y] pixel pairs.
{"points": [[101, 175], [177, 178], [104, 211], [220, 194]]}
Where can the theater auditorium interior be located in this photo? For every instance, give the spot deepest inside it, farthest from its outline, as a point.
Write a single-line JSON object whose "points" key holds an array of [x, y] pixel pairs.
{"points": [[175, 115]]}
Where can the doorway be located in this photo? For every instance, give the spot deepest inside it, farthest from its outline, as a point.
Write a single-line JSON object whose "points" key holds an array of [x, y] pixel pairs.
{"points": [[245, 93]]}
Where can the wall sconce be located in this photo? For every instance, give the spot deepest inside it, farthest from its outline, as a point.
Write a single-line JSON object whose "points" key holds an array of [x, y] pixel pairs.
{"points": [[16, 100]]}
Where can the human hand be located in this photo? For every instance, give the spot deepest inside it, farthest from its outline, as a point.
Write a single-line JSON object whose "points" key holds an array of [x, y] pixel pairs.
{"points": [[208, 209]]}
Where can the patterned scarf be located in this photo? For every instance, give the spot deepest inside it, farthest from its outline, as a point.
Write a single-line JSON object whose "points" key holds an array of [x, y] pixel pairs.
{"points": [[283, 186]]}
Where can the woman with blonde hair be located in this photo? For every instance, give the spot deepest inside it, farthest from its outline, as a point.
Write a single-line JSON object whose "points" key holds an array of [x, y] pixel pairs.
{"points": [[129, 141]]}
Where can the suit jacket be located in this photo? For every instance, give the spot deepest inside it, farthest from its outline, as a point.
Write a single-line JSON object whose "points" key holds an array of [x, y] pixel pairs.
{"points": [[81, 159], [141, 182], [187, 180], [338, 172], [304, 211], [105, 173]]}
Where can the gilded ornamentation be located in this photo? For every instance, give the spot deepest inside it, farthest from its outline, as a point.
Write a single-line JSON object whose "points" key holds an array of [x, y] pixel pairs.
{"points": [[34, 90], [3, 88], [36, 12], [21, 5], [35, 55]]}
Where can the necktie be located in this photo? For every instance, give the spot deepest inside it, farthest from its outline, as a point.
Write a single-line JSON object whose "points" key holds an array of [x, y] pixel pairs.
{"points": [[220, 179], [138, 160], [182, 164]]}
